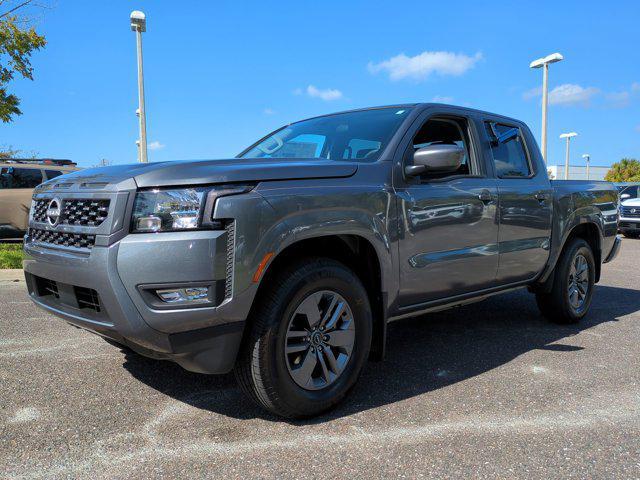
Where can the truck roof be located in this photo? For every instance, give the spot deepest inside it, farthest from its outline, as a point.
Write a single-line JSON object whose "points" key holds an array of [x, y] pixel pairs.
{"points": [[421, 106]]}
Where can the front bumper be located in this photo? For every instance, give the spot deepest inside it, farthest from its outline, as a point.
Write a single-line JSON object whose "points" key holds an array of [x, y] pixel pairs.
{"points": [[629, 225], [614, 250], [104, 292], [89, 271]]}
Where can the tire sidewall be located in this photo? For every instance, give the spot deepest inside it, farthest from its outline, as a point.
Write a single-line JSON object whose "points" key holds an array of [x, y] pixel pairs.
{"points": [[342, 281], [578, 248]]}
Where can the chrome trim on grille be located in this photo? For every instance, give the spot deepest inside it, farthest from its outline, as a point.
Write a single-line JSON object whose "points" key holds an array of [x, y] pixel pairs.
{"points": [[62, 239], [86, 218], [630, 212], [79, 212]]}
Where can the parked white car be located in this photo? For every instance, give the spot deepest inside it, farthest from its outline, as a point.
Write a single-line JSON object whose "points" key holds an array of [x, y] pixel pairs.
{"points": [[629, 223]]}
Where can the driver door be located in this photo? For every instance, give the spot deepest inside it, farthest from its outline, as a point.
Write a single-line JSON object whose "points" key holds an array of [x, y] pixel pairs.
{"points": [[448, 223]]}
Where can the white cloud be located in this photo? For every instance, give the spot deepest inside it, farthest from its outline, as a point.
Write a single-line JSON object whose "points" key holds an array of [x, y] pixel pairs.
{"points": [[269, 111], [156, 145], [619, 99], [635, 87], [571, 94], [533, 93], [424, 64], [442, 99], [326, 94]]}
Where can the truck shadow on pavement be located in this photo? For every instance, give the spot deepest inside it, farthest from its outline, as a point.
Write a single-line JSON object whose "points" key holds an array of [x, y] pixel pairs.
{"points": [[423, 354]]}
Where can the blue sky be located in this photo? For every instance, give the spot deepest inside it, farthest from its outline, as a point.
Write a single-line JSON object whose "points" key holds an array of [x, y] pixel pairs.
{"points": [[221, 74]]}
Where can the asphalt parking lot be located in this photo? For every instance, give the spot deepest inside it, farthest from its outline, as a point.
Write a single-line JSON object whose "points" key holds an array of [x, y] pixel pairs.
{"points": [[488, 390]]}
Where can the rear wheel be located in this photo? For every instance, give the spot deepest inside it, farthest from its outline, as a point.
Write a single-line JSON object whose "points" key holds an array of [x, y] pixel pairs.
{"points": [[309, 338], [574, 278]]}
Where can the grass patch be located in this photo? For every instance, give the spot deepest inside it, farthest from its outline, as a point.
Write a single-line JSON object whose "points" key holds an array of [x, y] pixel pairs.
{"points": [[11, 255]]}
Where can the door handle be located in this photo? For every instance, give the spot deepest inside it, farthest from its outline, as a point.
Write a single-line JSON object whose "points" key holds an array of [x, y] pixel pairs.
{"points": [[541, 197], [485, 196]]}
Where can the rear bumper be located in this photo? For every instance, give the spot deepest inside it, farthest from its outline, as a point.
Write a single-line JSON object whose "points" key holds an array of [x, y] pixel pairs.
{"points": [[104, 292]]}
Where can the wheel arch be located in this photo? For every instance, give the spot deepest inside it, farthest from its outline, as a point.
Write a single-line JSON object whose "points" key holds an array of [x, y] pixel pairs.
{"points": [[587, 230], [355, 252]]}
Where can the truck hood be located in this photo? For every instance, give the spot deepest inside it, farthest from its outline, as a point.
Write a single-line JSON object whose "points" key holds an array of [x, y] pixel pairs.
{"points": [[201, 172], [631, 202]]}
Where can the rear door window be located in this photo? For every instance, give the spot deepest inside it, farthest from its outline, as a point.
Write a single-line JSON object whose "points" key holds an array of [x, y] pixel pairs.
{"points": [[11, 177], [509, 152]]}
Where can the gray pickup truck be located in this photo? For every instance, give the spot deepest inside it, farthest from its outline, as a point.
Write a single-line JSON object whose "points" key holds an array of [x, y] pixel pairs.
{"points": [[286, 263]]}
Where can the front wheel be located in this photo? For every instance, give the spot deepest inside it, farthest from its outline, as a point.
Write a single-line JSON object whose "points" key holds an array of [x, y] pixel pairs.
{"points": [[574, 278], [309, 338]]}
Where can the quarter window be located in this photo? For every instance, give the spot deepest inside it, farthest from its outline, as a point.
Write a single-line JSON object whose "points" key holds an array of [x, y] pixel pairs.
{"points": [[509, 153]]}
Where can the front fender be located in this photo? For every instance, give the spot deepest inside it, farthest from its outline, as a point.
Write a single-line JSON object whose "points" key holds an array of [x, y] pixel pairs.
{"points": [[304, 212]]}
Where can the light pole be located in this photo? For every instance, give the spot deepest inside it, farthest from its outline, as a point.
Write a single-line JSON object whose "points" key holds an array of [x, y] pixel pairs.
{"points": [[139, 25], [587, 158], [568, 136], [544, 63]]}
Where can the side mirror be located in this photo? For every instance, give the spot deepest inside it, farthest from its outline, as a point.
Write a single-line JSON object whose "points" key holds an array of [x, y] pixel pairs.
{"points": [[435, 159], [625, 196]]}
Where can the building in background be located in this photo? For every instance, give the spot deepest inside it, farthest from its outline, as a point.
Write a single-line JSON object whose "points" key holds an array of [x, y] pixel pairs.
{"points": [[556, 172]]}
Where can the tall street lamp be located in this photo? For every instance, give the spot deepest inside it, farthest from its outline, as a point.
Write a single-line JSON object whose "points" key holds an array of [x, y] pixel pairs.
{"points": [[587, 158], [139, 25], [568, 136], [544, 63]]}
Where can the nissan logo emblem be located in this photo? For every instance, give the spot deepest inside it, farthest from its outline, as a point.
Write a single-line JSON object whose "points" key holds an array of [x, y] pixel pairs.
{"points": [[53, 211]]}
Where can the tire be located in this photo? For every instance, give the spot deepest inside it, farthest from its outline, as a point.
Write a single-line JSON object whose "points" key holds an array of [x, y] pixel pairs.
{"points": [[269, 375], [558, 305]]}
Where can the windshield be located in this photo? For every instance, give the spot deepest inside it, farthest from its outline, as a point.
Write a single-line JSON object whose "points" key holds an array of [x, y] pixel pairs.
{"points": [[631, 190], [360, 136]]}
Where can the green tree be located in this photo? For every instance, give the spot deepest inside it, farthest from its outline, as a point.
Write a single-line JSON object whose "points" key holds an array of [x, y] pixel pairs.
{"points": [[8, 152], [17, 41], [626, 170]]}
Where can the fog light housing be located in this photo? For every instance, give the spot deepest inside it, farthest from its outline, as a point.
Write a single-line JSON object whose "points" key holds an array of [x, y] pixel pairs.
{"points": [[189, 295]]}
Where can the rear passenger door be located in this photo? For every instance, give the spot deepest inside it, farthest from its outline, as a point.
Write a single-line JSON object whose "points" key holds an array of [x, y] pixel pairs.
{"points": [[525, 200]]}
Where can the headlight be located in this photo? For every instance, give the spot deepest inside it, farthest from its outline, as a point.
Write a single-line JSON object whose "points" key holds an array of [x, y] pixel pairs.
{"points": [[176, 209]]}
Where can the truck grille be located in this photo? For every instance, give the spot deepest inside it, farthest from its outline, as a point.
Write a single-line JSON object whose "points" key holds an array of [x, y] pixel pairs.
{"points": [[87, 298], [630, 212], [63, 239], [76, 297], [77, 212]]}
